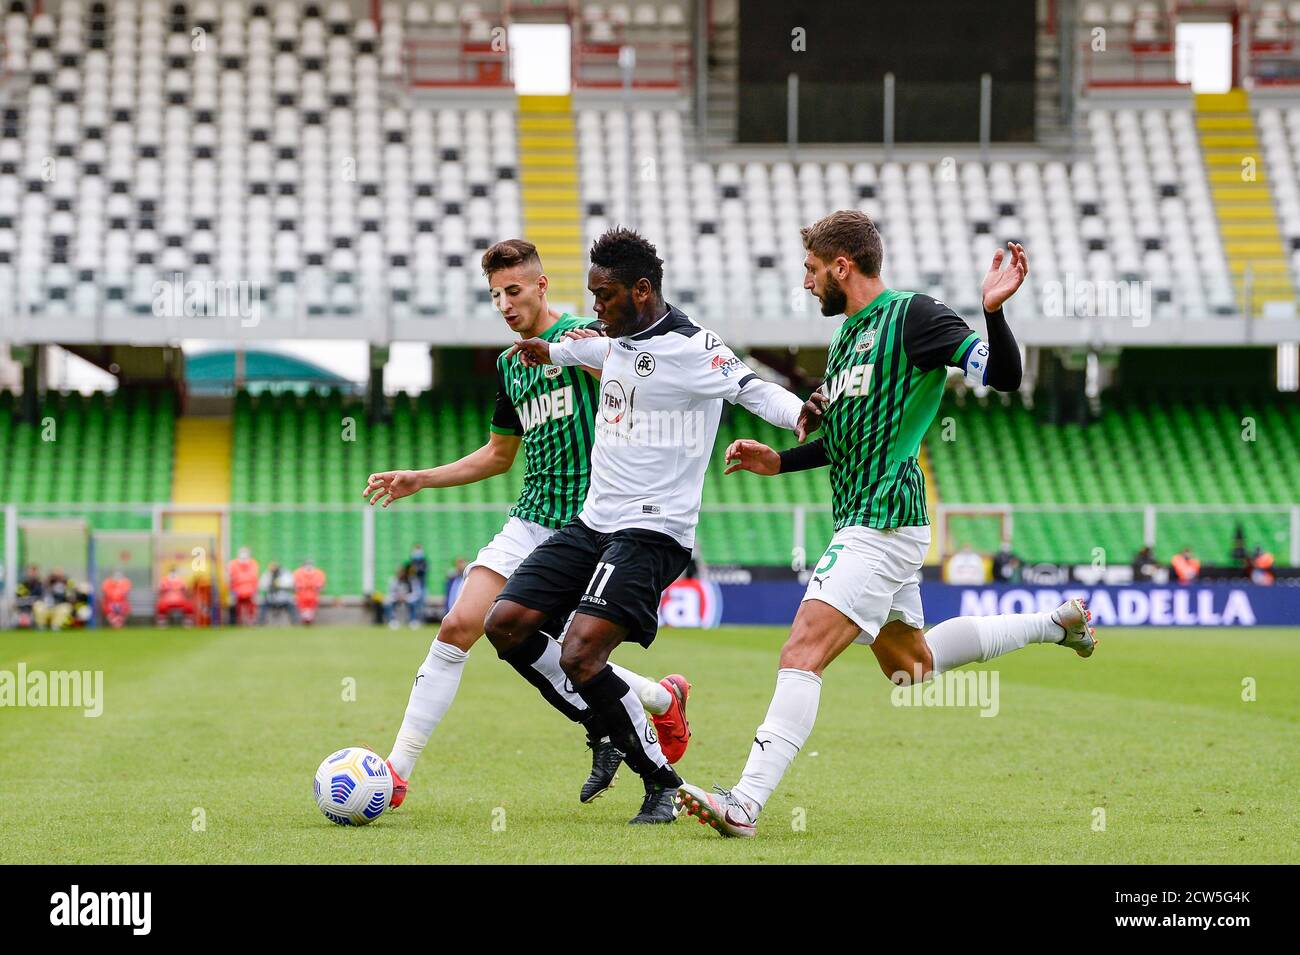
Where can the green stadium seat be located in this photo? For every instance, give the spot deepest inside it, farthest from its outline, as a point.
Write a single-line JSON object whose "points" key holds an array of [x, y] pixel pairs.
{"points": [[1143, 448]]}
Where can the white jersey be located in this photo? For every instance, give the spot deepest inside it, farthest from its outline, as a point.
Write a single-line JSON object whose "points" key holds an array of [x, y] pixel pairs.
{"points": [[661, 394]]}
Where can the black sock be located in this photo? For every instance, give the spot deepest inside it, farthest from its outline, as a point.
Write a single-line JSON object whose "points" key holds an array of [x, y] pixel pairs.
{"points": [[629, 728]]}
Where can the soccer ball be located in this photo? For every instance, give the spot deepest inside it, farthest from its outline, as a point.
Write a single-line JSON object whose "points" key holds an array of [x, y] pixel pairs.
{"points": [[353, 786]]}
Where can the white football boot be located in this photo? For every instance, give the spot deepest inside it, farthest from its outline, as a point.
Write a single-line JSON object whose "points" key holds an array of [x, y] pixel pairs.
{"points": [[722, 809], [1073, 617]]}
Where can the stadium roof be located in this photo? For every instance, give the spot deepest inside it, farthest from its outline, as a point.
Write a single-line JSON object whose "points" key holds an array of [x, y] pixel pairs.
{"points": [[215, 371]]}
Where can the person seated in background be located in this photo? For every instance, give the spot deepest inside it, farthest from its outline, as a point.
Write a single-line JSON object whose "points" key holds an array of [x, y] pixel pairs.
{"points": [[1145, 567], [82, 611], [201, 593], [965, 567], [403, 592], [455, 581], [1185, 566], [243, 573], [419, 597], [1007, 567], [54, 610], [1261, 568], [174, 599], [308, 582], [277, 594], [419, 565], [116, 599], [29, 592], [377, 603]]}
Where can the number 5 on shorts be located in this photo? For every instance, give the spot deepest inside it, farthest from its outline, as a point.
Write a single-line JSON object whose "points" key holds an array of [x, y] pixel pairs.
{"points": [[828, 559], [596, 589]]}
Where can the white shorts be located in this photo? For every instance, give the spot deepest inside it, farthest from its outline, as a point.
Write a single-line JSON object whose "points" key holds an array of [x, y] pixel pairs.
{"points": [[873, 576], [513, 543]]}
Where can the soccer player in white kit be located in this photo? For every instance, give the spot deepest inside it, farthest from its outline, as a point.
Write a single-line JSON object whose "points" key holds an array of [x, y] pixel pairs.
{"points": [[548, 414], [663, 381]]}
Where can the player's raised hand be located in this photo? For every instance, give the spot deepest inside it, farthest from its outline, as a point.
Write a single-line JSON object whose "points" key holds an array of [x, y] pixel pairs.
{"points": [[389, 486], [531, 351], [749, 455], [1001, 283], [810, 418], [588, 332]]}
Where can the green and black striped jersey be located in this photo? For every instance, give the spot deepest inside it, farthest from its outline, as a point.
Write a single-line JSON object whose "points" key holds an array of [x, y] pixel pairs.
{"points": [[553, 409], [885, 373]]}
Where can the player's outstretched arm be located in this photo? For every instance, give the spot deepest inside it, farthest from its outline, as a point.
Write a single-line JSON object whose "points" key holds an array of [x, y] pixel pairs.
{"points": [[1004, 370], [586, 347], [749, 455], [780, 407], [588, 332], [588, 351], [495, 457], [530, 351], [714, 371]]}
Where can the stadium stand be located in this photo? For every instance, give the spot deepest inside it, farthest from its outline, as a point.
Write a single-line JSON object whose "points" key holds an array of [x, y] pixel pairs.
{"points": [[1139, 209], [1279, 137], [89, 450], [288, 452], [296, 146], [96, 449], [127, 158], [130, 157], [1092, 482], [1144, 448]]}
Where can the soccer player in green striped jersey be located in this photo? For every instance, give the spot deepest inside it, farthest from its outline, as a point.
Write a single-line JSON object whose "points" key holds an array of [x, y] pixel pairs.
{"points": [[549, 411], [885, 374]]}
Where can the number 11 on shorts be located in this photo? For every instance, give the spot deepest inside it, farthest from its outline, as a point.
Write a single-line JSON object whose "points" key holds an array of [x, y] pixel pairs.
{"points": [[595, 589]]}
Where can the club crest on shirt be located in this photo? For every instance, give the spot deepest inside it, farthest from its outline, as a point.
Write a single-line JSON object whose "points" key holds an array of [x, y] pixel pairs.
{"points": [[645, 364], [553, 371], [865, 341]]}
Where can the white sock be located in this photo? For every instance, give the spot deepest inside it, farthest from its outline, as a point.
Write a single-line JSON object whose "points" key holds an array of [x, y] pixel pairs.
{"points": [[963, 640], [654, 696], [435, 688], [790, 719]]}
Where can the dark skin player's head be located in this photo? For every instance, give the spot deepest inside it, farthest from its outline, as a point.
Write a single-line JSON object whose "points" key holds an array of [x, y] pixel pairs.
{"points": [[624, 279], [623, 310]]}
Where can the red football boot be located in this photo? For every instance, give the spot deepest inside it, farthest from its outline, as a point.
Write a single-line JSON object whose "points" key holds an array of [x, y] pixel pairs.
{"points": [[399, 788], [674, 732]]}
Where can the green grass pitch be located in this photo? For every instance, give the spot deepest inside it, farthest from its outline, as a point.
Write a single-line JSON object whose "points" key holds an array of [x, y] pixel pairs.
{"points": [[1153, 730]]}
